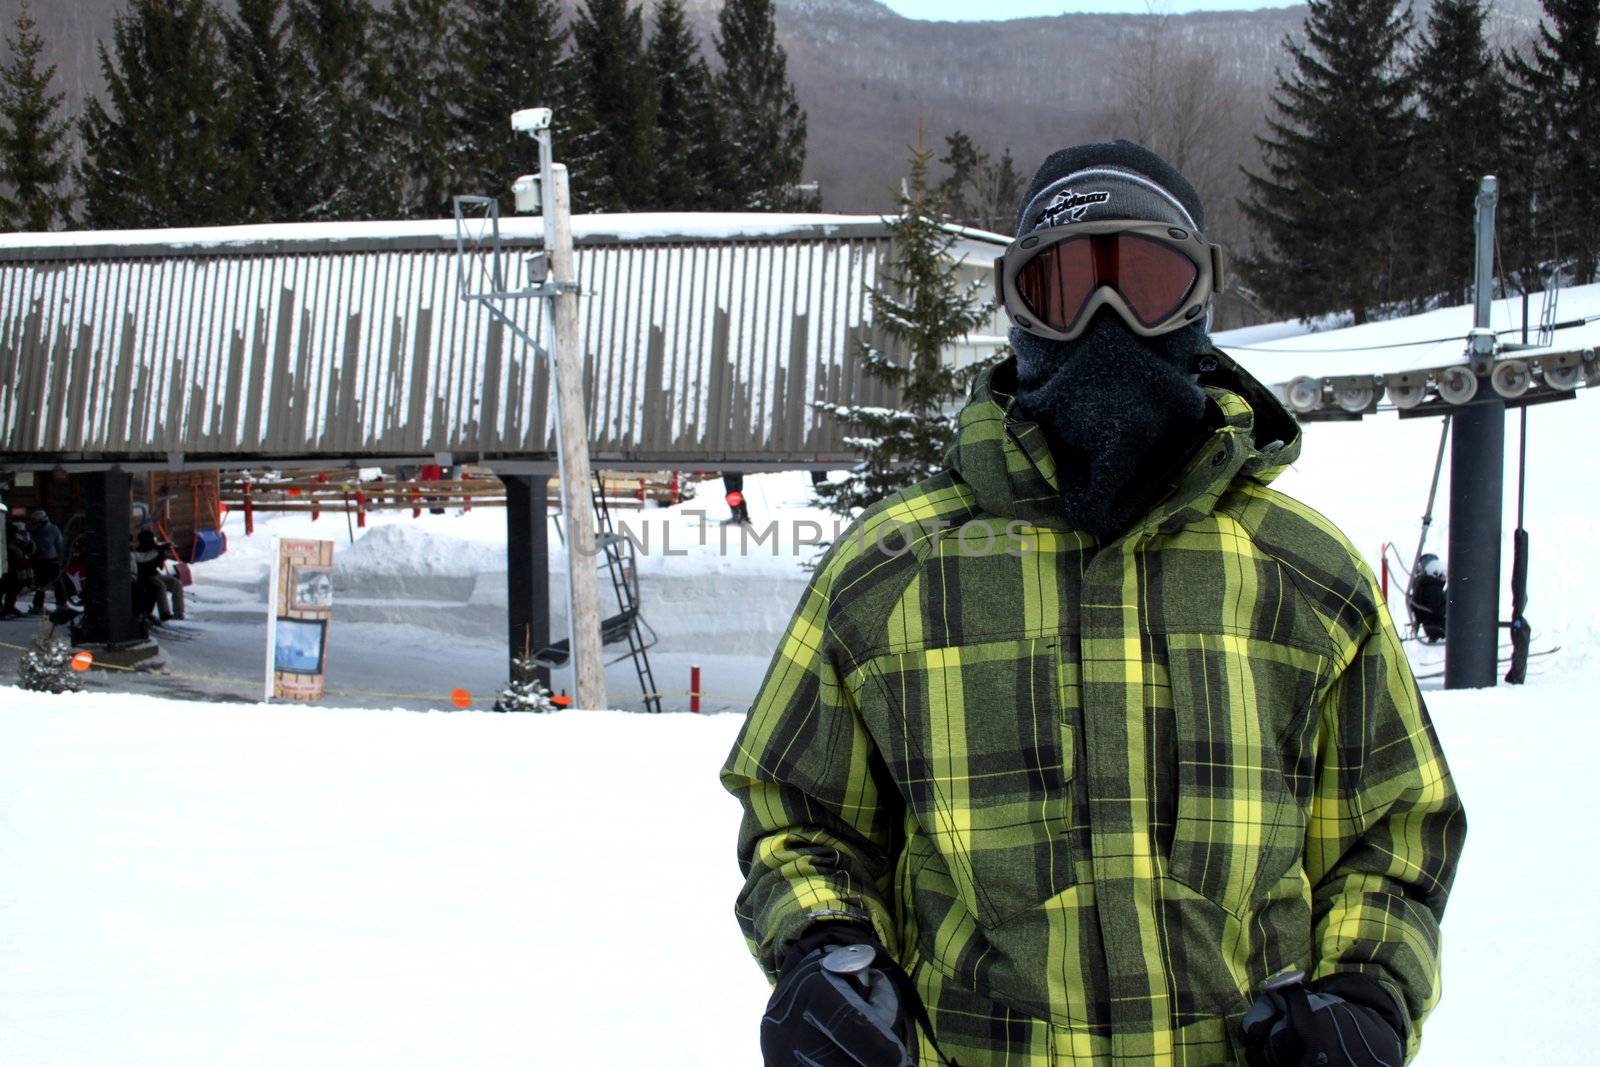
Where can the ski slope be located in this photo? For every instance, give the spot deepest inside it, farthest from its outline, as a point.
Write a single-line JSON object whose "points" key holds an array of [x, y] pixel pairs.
{"points": [[200, 882]]}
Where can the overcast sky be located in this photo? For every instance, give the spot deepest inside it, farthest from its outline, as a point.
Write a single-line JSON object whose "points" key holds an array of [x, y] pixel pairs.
{"points": [[1016, 9]]}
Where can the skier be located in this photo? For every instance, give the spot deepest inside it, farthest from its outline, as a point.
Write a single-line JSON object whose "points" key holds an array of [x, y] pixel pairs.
{"points": [[738, 506], [1093, 748], [156, 588], [1428, 599], [19, 570], [48, 551]]}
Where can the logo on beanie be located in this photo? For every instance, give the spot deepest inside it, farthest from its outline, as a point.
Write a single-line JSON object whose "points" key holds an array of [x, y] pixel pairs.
{"points": [[1070, 206]]}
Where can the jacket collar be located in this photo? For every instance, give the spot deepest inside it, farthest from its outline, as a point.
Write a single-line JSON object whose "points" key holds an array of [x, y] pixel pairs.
{"points": [[1004, 459]]}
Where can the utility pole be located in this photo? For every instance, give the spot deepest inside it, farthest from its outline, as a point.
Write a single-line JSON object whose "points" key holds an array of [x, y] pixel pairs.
{"points": [[551, 275], [1477, 470], [576, 478]]}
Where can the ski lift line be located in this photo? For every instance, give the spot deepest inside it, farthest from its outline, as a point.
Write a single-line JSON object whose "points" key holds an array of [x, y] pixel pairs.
{"points": [[1570, 324]]}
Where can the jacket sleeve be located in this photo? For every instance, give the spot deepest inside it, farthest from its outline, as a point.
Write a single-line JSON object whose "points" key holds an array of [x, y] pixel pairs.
{"points": [[815, 842], [1386, 828]]}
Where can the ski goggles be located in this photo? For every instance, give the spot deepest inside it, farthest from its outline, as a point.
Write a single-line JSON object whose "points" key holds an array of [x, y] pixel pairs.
{"points": [[1156, 276]]}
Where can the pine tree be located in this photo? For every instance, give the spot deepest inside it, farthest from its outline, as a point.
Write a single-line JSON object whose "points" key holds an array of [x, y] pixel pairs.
{"points": [[46, 667], [764, 130], [977, 191], [333, 40], [512, 54], [156, 153], [417, 92], [613, 151], [525, 691], [1330, 210], [272, 135], [1556, 106], [33, 153], [921, 308], [1459, 139], [686, 120]]}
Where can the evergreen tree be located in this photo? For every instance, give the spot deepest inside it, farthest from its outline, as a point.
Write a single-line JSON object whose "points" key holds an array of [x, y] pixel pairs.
{"points": [[333, 40], [157, 152], [1330, 210], [977, 191], [417, 92], [46, 666], [764, 130], [272, 136], [1459, 140], [1556, 107], [33, 155], [511, 53], [614, 144], [525, 692], [921, 308], [686, 120]]}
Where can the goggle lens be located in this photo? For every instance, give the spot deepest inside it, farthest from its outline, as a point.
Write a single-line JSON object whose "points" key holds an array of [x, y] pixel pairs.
{"points": [[1154, 279]]}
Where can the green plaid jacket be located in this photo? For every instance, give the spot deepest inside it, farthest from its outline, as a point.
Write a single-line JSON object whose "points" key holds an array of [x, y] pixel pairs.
{"points": [[1092, 796]]}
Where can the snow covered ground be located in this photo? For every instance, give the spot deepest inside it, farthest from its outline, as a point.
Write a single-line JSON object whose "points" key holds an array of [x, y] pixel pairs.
{"points": [[189, 882]]}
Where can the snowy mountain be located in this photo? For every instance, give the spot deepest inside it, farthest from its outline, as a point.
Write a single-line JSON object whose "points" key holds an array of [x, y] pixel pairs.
{"points": [[866, 75]]}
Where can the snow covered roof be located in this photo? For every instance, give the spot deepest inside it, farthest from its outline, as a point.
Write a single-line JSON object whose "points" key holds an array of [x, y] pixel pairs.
{"points": [[598, 229], [708, 339]]}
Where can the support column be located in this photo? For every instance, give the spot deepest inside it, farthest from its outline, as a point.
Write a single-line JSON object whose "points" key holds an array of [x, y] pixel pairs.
{"points": [[108, 596], [528, 564], [1477, 474]]}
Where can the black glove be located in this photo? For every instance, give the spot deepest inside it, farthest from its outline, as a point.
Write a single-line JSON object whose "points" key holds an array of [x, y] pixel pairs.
{"points": [[1344, 1020], [840, 1001]]}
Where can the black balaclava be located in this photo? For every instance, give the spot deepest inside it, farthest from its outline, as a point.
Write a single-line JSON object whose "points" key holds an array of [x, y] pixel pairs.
{"points": [[1121, 412]]}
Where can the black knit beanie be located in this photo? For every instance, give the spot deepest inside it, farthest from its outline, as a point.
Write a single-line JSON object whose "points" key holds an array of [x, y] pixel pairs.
{"points": [[1121, 412]]}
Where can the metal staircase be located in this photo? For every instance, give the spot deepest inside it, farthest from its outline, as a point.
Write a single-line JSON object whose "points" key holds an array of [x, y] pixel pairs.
{"points": [[619, 556]]}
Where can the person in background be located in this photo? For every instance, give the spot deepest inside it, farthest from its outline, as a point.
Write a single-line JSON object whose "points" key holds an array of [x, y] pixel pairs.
{"points": [[738, 507], [47, 557], [1428, 600], [1093, 748], [154, 586], [19, 567]]}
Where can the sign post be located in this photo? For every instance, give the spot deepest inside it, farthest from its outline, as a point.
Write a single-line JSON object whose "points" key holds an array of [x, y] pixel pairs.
{"points": [[299, 610]]}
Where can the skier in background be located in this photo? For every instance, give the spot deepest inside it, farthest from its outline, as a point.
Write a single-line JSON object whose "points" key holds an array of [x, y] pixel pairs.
{"points": [[19, 568], [157, 589], [738, 506], [48, 551], [1428, 601], [1092, 748]]}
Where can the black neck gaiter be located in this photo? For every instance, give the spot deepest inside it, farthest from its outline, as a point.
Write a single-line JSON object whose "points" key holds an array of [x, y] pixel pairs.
{"points": [[1121, 413]]}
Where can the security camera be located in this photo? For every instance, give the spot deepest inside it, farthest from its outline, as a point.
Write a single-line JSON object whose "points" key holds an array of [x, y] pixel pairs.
{"points": [[531, 120], [526, 191]]}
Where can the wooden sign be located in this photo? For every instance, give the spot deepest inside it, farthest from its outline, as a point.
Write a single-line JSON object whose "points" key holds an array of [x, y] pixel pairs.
{"points": [[299, 609]]}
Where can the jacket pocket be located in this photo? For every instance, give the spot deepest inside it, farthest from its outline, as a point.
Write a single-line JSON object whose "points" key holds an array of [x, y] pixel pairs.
{"points": [[981, 749], [1237, 827]]}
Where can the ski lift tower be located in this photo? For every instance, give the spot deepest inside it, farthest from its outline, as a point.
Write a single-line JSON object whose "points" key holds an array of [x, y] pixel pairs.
{"points": [[488, 278]]}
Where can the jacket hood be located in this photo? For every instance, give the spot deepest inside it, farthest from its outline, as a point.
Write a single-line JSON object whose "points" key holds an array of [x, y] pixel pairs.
{"points": [[1003, 457]]}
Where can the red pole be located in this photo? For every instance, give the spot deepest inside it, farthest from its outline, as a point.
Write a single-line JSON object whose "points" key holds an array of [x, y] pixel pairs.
{"points": [[694, 689], [416, 508], [249, 511], [676, 497], [316, 513], [361, 509]]}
